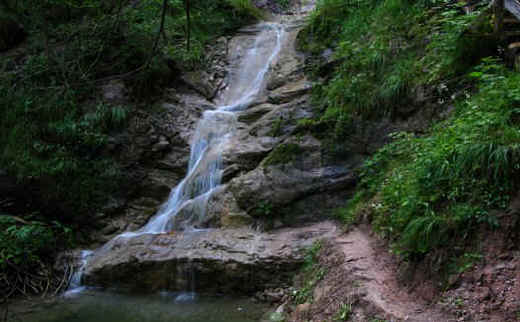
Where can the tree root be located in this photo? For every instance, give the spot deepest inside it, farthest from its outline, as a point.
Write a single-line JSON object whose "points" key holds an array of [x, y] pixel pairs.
{"points": [[19, 281]]}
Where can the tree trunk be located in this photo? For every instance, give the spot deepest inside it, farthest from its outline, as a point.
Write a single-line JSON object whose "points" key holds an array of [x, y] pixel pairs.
{"points": [[188, 25], [498, 9]]}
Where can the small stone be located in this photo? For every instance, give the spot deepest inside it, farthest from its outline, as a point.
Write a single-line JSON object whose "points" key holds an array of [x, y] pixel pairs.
{"points": [[110, 229], [302, 308], [160, 146], [281, 309]]}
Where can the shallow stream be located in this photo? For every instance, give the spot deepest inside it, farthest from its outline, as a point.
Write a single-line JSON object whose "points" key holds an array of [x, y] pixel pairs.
{"points": [[103, 306]]}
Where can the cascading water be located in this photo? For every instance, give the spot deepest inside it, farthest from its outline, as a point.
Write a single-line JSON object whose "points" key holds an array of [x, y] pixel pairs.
{"points": [[213, 131], [75, 281]]}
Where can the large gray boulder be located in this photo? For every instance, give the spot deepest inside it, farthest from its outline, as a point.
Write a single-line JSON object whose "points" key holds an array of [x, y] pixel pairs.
{"points": [[239, 261]]}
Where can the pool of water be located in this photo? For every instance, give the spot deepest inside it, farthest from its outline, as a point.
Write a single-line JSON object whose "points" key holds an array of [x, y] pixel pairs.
{"points": [[98, 306]]}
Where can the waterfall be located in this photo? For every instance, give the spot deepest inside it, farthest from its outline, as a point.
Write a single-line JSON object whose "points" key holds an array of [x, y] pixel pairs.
{"points": [[213, 131], [188, 201], [75, 285]]}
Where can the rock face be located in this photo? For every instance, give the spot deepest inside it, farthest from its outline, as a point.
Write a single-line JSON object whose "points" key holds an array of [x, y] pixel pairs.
{"points": [[268, 164], [270, 170], [240, 261], [155, 151]]}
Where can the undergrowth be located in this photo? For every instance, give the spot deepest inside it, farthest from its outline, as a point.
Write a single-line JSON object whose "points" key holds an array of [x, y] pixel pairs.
{"points": [[431, 191], [312, 273], [391, 58], [54, 123], [386, 53]]}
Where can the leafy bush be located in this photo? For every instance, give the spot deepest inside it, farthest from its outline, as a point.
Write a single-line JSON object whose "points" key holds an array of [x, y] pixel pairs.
{"points": [[428, 191], [23, 243], [53, 125], [385, 50], [26, 251]]}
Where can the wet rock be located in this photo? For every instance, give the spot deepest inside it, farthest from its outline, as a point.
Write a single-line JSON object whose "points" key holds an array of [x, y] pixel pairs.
{"points": [[230, 172], [253, 114], [288, 69], [289, 92], [201, 82], [224, 211], [246, 154], [275, 295], [281, 184], [245, 261], [193, 213], [114, 92], [235, 220], [281, 121], [321, 292], [110, 229], [162, 145]]}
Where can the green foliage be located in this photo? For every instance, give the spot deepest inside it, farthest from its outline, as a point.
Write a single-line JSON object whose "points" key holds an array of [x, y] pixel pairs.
{"points": [[284, 153], [424, 192], [247, 7], [277, 128], [284, 4], [325, 23], [53, 124], [209, 20], [312, 274], [264, 209], [384, 51], [464, 262], [344, 313], [428, 191], [24, 244], [348, 215], [45, 136]]}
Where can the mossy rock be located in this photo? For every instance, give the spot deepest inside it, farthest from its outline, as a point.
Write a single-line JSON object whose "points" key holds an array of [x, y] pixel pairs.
{"points": [[11, 33], [284, 153]]}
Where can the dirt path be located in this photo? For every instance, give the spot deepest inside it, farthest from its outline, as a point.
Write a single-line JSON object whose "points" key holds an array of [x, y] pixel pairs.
{"points": [[376, 271], [362, 284]]}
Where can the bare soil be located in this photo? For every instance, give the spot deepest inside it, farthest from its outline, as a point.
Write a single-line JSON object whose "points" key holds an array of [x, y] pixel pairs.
{"points": [[362, 284]]}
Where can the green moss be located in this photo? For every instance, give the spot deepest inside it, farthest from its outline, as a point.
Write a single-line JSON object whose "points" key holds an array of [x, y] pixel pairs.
{"points": [[284, 153], [277, 127]]}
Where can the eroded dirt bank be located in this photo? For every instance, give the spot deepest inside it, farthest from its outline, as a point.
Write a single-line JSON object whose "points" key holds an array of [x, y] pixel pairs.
{"points": [[361, 283], [355, 277]]}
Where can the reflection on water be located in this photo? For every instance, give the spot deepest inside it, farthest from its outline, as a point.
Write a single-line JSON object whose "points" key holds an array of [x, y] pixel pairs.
{"points": [[96, 306]]}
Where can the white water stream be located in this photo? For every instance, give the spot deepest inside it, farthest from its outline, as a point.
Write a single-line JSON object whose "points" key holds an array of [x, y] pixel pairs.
{"points": [[212, 133]]}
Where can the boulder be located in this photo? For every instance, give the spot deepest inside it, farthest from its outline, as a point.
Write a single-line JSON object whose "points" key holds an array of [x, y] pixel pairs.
{"points": [[244, 261], [287, 175], [201, 82], [289, 92]]}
